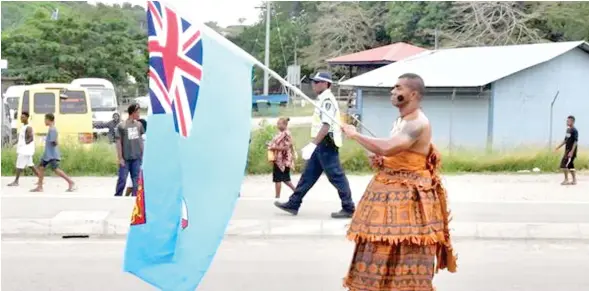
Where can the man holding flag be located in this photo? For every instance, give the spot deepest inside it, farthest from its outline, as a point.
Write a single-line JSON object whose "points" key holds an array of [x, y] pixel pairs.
{"points": [[322, 152]]}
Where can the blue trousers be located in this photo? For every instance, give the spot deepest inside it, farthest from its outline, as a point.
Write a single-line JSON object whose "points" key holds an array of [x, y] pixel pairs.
{"points": [[324, 159], [133, 167]]}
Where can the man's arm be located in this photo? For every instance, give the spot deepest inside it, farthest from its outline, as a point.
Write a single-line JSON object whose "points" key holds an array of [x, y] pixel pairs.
{"points": [[327, 118], [141, 132], [29, 135], [321, 134], [119, 142], [52, 136], [100, 124], [399, 142], [575, 138]]}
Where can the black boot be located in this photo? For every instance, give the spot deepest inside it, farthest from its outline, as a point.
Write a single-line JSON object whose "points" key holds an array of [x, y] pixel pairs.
{"points": [[286, 207], [343, 214]]}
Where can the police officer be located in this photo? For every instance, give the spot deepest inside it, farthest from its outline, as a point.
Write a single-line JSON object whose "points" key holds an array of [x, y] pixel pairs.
{"points": [[322, 153]]}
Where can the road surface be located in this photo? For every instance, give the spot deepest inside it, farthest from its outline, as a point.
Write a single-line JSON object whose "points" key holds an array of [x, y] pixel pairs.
{"points": [[292, 265]]}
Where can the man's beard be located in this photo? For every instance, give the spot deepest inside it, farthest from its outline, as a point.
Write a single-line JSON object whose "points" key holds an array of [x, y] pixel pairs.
{"points": [[399, 101]]}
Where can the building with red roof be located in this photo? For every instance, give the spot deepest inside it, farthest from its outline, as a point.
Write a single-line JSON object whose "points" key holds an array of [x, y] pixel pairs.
{"points": [[375, 58]]}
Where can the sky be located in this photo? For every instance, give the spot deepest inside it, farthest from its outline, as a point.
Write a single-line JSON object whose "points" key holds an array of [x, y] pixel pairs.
{"points": [[224, 12]]}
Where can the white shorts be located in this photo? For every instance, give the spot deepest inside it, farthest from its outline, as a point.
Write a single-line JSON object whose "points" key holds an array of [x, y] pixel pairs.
{"points": [[24, 161]]}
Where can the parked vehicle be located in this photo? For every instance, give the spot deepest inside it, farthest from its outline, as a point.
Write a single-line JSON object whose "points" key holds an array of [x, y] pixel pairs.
{"points": [[70, 105], [12, 97], [6, 130], [143, 101], [103, 100]]}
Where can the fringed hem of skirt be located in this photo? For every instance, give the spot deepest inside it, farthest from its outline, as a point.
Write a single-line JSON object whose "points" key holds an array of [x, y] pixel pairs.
{"points": [[445, 257]]}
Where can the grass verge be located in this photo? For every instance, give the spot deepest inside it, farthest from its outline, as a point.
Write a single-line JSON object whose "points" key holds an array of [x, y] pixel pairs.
{"points": [[100, 159]]}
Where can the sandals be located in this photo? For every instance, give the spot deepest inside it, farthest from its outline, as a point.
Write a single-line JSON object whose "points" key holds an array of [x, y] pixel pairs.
{"points": [[567, 183]]}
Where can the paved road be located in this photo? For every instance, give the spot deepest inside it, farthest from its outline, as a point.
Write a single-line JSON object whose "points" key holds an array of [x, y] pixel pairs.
{"points": [[119, 208], [483, 206], [497, 187], [292, 265]]}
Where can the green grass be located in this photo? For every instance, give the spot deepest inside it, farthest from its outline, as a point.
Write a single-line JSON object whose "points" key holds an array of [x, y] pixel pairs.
{"points": [[292, 110], [100, 158], [354, 158]]}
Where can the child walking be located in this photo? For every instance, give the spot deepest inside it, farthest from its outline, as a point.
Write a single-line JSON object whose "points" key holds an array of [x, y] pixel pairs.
{"points": [[25, 149], [51, 156], [284, 155]]}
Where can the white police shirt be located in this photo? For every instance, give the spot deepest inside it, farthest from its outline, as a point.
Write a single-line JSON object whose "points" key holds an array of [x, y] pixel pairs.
{"points": [[329, 104]]}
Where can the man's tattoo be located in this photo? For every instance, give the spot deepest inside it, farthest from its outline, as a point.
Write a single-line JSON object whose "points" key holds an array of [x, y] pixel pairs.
{"points": [[29, 135], [413, 129]]}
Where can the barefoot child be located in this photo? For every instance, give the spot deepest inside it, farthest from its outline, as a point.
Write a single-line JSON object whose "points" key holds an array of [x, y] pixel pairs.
{"points": [[25, 149], [51, 156], [284, 155]]}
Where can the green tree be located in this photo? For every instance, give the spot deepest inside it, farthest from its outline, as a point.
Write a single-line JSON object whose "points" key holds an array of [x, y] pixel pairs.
{"points": [[288, 35], [67, 48], [416, 22], [564, 21]]}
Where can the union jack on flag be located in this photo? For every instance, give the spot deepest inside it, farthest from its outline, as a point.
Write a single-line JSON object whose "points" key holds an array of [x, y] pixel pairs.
{"points": [[175, 65]]}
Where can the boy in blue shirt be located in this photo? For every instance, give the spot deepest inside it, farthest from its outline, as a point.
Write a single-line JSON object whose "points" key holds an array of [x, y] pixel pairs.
{"points": [[52, 156]]}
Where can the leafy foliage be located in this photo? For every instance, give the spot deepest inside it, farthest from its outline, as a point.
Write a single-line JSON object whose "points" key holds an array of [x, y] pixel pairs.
{"points": [[84, 41], [109, 41]]}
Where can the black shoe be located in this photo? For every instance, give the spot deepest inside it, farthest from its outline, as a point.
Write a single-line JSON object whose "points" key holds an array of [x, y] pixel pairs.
{"points": [[285, 207], [342, 214]]}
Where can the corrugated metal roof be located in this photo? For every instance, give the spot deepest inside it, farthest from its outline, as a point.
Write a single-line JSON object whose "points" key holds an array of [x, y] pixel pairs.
{"points": [[388, 53], [466, 67]]}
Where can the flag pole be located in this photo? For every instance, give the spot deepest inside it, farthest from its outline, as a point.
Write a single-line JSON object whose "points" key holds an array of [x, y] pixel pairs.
{"points": [[236, 49]]}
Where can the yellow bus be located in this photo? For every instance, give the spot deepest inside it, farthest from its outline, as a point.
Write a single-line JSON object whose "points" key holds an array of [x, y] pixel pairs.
{"points": [[70, 105]]}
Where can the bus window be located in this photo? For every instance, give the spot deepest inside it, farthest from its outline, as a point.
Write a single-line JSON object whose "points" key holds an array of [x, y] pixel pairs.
{"points": [[102, 99], [74, 104], [25, 102], [44, 103], [12, 102]]}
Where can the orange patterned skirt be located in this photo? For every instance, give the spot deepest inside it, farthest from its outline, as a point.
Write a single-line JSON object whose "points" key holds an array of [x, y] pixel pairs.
{"points": [[379, 266], [401, 232]]}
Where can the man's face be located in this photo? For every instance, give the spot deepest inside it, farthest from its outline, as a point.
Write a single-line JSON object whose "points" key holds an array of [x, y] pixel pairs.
{"points": [[135, 115], [24, 119], [402, 93], [47, 122], [318, 87], [570, 122], [116, 117]]}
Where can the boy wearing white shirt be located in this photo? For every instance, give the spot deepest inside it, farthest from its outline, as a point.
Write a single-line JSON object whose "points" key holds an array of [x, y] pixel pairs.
{"points": [[25, 149]]}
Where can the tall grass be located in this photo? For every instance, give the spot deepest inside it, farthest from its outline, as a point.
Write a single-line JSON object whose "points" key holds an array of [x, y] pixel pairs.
{"points": [[354, 158], [100, 158]]}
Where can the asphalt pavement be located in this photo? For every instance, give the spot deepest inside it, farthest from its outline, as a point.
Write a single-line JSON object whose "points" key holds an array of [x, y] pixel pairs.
{"points": [[483, 206], [292, 265]]}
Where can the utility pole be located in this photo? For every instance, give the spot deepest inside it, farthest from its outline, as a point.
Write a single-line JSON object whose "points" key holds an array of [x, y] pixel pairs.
{"points": [[267, 51], [436, 38], [295, 50]]}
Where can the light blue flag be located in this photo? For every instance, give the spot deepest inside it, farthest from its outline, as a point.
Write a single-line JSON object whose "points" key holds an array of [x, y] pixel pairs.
{"points": [[195, 153]]}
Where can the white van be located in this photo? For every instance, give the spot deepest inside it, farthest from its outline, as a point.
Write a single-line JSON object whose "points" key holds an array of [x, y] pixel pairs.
{"points": [[103, 99], [11, 98]]}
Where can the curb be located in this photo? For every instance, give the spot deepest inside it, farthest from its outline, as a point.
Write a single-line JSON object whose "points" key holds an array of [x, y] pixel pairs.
{"points": [[97, 225]]}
